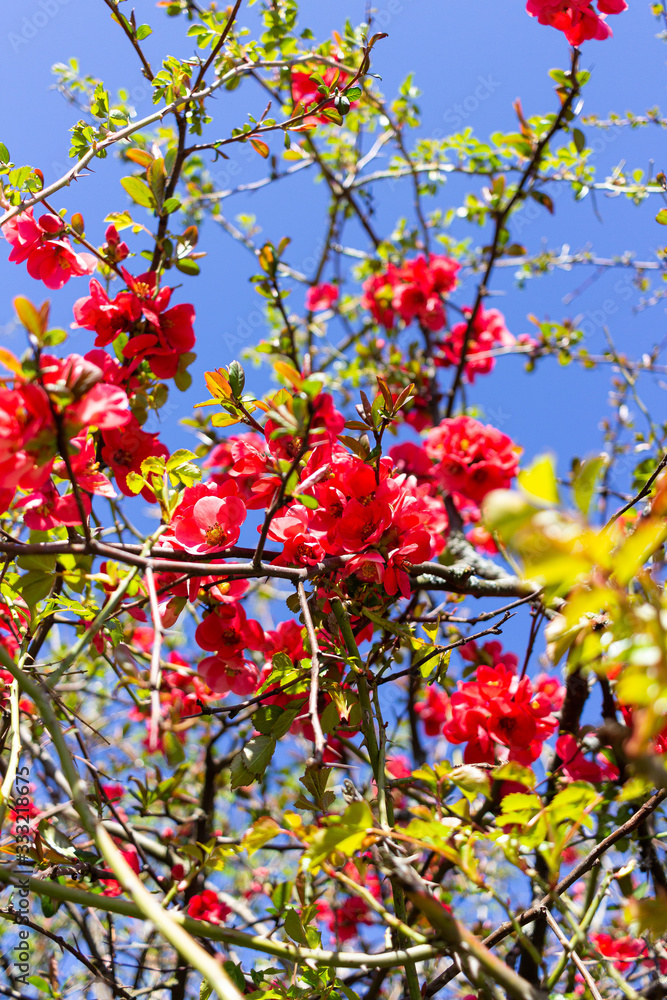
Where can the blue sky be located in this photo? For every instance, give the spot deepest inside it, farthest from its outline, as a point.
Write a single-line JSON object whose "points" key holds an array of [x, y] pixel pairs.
{"points": [[456, 51]]}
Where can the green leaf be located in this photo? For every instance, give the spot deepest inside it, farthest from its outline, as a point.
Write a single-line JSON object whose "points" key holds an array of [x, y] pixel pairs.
{"points": [[294, 927], [260, 147], [281, 662], [353, 94], [346, 834], [240, 775], [56, 840], [49, 906], [4, 153], [661, 217], [180, 457], [205, 990], [261, 832], [638, 548], [650, 914], [187, 266], [235, 973], [29, 316], [40, 984], [236, 379], [281, 895], [332, 115], [34, 587], [157, 178], [539, 482], [579, 140], [143, 31], [173, 748], [138, 191], [170, 205], [585, 478], [284, 723], [257, 754], [135, 482], [307, 501]]}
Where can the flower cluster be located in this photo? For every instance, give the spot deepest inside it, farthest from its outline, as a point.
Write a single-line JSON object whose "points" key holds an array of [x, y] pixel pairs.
{"points": [[625, 951], [412, 291], [182, 693], [578, 19], [156, 333], [66, 398], [344, 919], [488, 332], [472, 458], [498, 715], [370, 522], [43, 246]]}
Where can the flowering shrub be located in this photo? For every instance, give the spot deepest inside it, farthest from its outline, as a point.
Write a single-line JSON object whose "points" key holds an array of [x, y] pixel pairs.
{"points": [[354, 696]]}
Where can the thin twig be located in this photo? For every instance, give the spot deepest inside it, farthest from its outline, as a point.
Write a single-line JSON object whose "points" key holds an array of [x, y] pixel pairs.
{"points": [[573, 955], [313, 712]]}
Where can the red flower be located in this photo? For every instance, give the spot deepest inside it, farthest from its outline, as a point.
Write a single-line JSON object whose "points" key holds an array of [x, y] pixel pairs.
{"points": [[399, 766], [246, 460], [432, 711], [300, 547], [490, 655], [305, 92], [624, 950], [487, 331], [499, 716], [85, 467], [6, 679], [227, 631], [43, 245], [575, 767], [208, 517], [158, 335], [112, 885], [413, 460], [207, 906], [114, 249], [343, 921], [578, 19], [287, 637], [240, 676], [124, 450], [27, 439], [46, 509], [473, 458], [105, 316], [363, 524], [94, 402], [113, 792], [320, 297], [412, 291]]}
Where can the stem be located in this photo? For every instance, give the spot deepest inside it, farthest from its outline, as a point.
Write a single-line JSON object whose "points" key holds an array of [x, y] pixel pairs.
{"points": [[214, 932], [313, 712]]}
